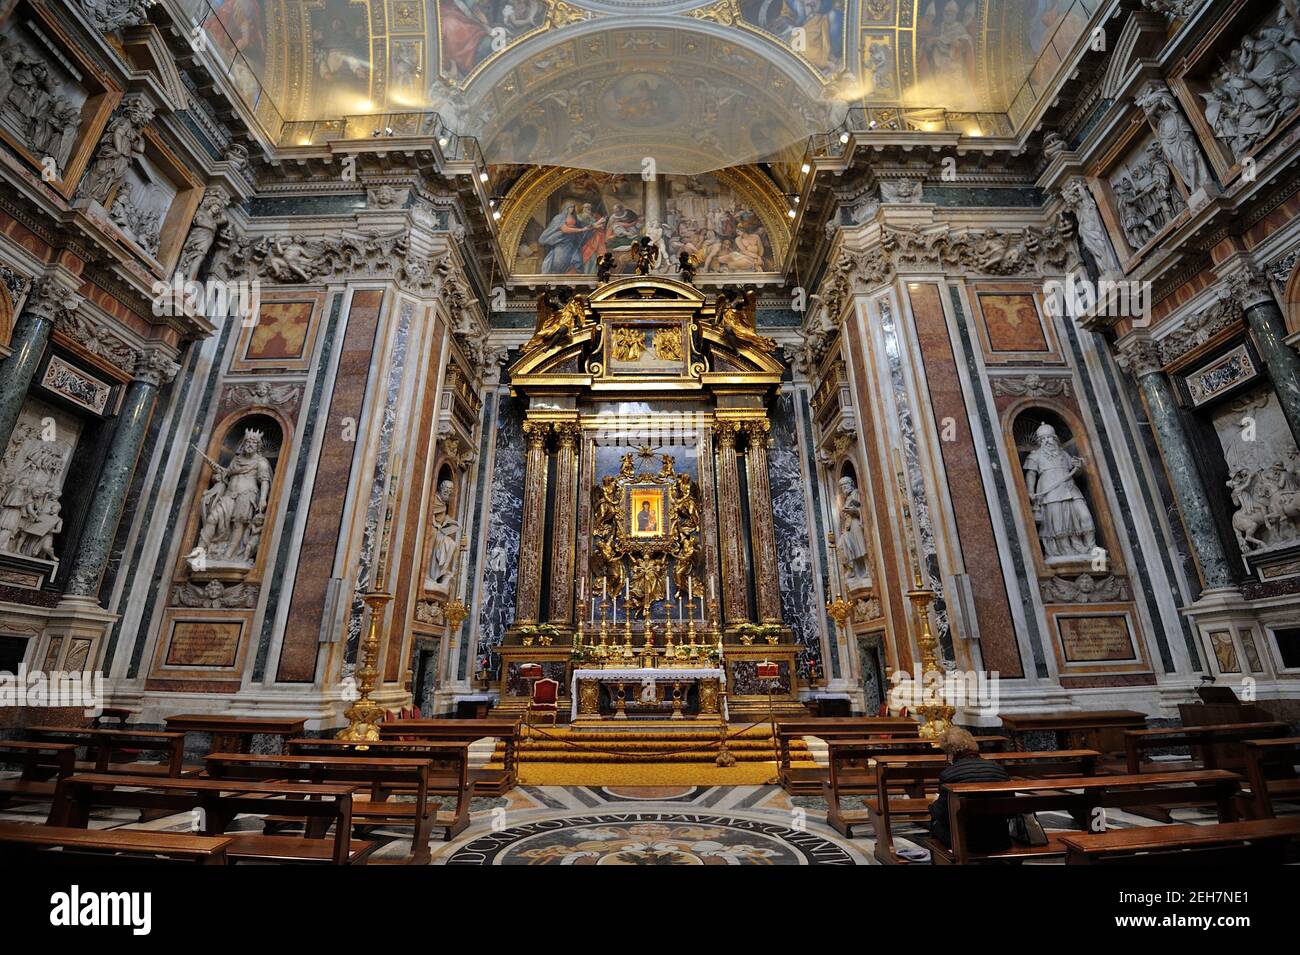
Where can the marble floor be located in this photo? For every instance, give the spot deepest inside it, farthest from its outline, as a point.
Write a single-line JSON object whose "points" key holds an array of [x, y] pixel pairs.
{"points": [[667, 825]]}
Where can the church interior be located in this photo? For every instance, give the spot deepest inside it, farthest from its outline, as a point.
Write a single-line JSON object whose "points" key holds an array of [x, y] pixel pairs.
{"points": [[650, 432]]}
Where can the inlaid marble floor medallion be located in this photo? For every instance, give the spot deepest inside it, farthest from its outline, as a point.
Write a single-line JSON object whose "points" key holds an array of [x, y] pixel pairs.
{"points": [[650, 838]]}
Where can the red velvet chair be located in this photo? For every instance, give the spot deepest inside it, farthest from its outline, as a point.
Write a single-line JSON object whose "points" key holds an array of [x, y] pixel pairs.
{"points": [[545, 699]]}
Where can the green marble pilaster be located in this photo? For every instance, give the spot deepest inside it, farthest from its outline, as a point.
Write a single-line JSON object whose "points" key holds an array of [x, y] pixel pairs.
{"points": [[1264, 317], [106, 506], [30, 336], [1140, 358]]}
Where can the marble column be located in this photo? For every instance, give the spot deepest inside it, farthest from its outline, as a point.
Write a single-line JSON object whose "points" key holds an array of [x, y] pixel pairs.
{"points": [[31, 334], [564, 535], [154, 366], [1140, 357], [1262, 313], [762, 535], [735, 595], [532, 532]]}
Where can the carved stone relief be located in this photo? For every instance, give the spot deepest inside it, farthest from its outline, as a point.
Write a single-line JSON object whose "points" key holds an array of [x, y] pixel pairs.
{"points": [[215, 595], [1174, 134], [1264, 470], [1085, 589], [1145, 192], [1092, 231], [37, 105], [122, 145], [208, 219], [1258, 85], [32, 473]]}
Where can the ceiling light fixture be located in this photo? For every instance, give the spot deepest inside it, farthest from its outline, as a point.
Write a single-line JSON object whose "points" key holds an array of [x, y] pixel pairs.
{"points": [[844, 136], [805, 169], [483, 176]]}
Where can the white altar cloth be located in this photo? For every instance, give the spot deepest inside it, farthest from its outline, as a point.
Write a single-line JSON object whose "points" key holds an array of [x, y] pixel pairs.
{"points": [[647, 675]]}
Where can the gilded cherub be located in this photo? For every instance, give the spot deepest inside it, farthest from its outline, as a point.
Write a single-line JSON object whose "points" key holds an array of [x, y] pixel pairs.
{"points": [[740, 322], [646, 255]]}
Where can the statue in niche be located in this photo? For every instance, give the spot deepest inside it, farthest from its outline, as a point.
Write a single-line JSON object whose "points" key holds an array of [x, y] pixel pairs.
{"points": [[855, 558], [208, 220], [30, 488], [234, 506], [1065, 525], [446, 535], [1175, 136], [122, 145], [1092, 231]]}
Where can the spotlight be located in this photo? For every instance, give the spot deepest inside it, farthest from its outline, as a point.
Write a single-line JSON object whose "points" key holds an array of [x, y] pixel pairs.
{"points": [[388, 130], [442, 141], [791, 213], [805, 168], [496, 213], [844, 136], [483, 176]]}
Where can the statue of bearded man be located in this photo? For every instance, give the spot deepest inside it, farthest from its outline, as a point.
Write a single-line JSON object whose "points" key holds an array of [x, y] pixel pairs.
{"points": [[234, 505], [1065, 525], [446, 536]]}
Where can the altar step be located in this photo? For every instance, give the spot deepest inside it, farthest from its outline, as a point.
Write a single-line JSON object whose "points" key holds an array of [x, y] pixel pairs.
{"points": [[655, 743]]}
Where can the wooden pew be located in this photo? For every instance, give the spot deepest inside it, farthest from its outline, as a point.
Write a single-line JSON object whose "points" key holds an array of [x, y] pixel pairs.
{"points": [[1088, 729], [60, 845], [808, 780], [876, 769], [1079, 796], [320, 806], [489, 782], [1271, 774], [115, 751], [1210, 739], [384, 776], [451, 776], [43, 765], [1254, 842], [234, 734]]}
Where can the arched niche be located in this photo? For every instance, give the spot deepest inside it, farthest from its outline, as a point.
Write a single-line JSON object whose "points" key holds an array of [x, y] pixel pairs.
{"points": [[1053, 551], [225, 521], [1291, 301]]}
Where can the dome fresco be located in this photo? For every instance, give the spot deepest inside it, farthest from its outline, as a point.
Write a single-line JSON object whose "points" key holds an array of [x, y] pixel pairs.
{"points": [[604, 84]]}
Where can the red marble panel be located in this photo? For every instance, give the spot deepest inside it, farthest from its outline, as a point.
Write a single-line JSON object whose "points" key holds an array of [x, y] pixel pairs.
{"points": [[333, 475]]}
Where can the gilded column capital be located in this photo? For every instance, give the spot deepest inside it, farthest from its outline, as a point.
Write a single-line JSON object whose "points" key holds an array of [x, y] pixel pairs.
{"points": [[759, 431], [1139, 355], [536, 433], [567, 432], [726, 432]]}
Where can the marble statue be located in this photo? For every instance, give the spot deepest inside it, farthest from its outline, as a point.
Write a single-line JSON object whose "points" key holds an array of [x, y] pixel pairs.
{"points": [[1065, 525], [234, 507], [446, 536], [135, 211], [1174, 134], [855, 558], [1267, 503], [1091, 230], [208, 220], [122, 144], [1258, 86]]}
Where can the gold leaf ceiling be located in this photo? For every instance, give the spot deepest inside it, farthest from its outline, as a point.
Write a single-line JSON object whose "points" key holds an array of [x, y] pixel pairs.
{"points": [[612, 84]]}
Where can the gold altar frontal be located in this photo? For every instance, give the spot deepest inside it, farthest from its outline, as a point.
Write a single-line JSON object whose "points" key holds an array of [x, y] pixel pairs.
{"points": [[647, 541], [647, 691]]}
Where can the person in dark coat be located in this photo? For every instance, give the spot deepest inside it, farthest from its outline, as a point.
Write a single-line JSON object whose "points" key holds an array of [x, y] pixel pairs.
{"points": [[965, 765]]}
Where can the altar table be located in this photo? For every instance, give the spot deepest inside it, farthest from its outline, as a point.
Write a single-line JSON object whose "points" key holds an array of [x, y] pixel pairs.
{"points": [[586, 687]]}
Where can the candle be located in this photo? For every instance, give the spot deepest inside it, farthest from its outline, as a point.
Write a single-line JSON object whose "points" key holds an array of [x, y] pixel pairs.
{"points": [[681, 617], [713, 589], [593, 611], [690, 589], [607, 588], [668, 583]]}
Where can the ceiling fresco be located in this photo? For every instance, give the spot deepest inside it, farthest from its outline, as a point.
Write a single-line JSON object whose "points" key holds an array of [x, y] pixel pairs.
{"points": [[606, 84]]}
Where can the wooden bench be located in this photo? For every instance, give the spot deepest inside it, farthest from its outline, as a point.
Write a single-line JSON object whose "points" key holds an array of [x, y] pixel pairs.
{"points": [[1271, 774], [234, 734], [61, 845], [1086, 729], [877, 772], [808, 780], [117, 751], [489, 782], [385, 775], [42, 766], [321, 806], [1254, 842], [1209, 740], [1080, 796]]}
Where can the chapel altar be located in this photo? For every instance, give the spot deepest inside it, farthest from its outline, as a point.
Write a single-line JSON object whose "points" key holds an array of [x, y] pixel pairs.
{"points": [[647, 543]]}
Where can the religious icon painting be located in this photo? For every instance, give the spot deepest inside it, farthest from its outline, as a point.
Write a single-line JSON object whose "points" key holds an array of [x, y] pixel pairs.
{"points": [[646, 512], [281, 336]]}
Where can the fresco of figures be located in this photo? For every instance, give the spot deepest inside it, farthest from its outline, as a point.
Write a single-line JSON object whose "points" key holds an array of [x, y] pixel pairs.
{"points": [[595, 213], [812, 28], [472, 30]]}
